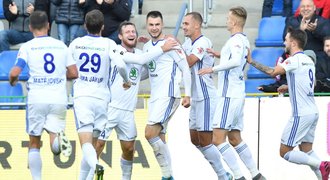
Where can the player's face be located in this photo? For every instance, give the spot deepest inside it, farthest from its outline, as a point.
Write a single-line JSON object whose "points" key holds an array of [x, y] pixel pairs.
{"points": [[128, 36], [230, 21], [154, 27], [307, 8], [327, 47], [188, 26], [287, 43]]}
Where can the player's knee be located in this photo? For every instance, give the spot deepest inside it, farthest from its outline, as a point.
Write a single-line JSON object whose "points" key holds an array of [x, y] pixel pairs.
{"points": [[99, 146]]}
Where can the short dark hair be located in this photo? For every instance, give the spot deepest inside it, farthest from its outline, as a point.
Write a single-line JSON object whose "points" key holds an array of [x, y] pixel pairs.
{"points": [[326, 38], [155, 14], [94, 21], [239, 12], [197, 16], [38, 20], [124, 23], [299, 36]]}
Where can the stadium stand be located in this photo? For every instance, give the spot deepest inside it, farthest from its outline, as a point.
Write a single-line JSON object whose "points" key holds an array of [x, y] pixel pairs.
{"points": [[7, 61], [266, 56], [270, 32], [278, 7], [10, 94], [2, 16]]}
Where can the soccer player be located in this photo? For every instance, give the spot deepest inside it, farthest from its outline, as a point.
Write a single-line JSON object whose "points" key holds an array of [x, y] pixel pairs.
{"points": [[92, 54], [122, 105], [47, 95], [203, 93], [300, 129], [228, 117]]}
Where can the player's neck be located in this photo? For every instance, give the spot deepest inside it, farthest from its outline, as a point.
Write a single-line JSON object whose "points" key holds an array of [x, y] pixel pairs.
{"points": [[295, 51], [195, 36], [161, 36], [236, 30], [38, 33]]}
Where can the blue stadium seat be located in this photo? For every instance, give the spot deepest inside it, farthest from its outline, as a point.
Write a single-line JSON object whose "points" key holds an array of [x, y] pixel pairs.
{"points": [[252, 84], [270, 32], [277, 8], [8, 93], [7, 61], [295, 5], [266, 56], [2, 16]]}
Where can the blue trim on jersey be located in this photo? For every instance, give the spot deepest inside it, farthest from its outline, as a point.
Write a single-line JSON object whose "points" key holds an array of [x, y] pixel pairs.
{"points": [[155, 43], [192, 43], [293, 94], [293, 131], [168, 110], [225, 84], [207, 114], [92, 35], [300, 52], [224, 113], [171, 84], [224, 148], [113, 77], [42, 36], [238, 33], [20, 63], [241, 149], [202, 82]]}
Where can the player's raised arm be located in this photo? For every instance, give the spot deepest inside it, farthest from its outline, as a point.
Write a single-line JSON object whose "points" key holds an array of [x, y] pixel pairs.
{"points": [[149, 56], [18, 67]]}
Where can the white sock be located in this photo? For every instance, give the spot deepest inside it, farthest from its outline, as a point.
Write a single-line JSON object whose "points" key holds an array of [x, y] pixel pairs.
{"points": [[245, 154], [212, 154], [56, 146], [89, 154], [126, 168], [300, 157], [160, 153], [35, 163], [84, 169], [228, 155], [315, 170], [167, 153]]}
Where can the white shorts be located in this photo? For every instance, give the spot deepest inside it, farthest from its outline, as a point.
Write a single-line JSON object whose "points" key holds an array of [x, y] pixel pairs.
{"points": [[300, 129], [202, 114], [229, 114], [90, 114], [161, 110], [50, 117], [123, 122]]}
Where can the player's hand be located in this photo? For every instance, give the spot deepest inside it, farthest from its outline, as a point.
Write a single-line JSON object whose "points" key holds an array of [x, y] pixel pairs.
{"points": [[143, 39], [248, 57], [13, 8], [205, 71], [169, 44], [186, 102], [127, 85], [282, 89], [213, 52]]}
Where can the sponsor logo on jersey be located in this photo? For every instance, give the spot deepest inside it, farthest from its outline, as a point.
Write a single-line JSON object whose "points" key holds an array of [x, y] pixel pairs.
{"points": [[152, 66], [133, 73]]}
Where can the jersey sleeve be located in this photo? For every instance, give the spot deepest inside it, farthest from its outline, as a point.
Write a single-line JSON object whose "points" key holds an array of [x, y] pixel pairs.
{"points": [[22, 57], [290, 64], [69, 57], [199, 49]]}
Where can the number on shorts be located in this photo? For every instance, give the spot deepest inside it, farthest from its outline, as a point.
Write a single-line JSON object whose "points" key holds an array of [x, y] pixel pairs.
{"points": [[95, 60]]}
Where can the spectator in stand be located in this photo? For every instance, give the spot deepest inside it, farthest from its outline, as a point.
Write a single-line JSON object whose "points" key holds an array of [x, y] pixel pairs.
{"points": [[267, 8], [314, 25], [280, 79], [322, 8], [114, 11], [323, 68], [69, 17], [17, 13]]}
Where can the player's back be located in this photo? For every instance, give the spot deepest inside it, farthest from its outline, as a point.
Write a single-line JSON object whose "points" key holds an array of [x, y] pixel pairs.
{"points": [[121, 98], [46, 58], [91, 54], [203, 87], [164, 74], [231, 82], [301, 81]]}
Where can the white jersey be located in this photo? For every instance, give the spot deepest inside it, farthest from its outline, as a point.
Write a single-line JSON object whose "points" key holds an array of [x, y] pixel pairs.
{"points": [[231, 81], [92, 55], [47, 60], [121, 98], [202, 86], [300, 73], [164, 74]]}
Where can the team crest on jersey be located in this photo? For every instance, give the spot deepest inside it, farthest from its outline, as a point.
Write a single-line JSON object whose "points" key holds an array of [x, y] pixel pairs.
{"points": [[133, 73], [238, 46], [152, 66], [287, 61], [200, 50]]}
